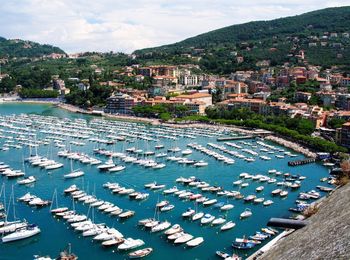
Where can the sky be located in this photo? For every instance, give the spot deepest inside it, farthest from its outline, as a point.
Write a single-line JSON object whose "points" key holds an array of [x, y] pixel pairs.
{"points": [[128, 25]]}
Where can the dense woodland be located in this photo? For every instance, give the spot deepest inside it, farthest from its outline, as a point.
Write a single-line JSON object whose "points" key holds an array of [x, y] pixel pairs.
{"points": [[18, 48]]}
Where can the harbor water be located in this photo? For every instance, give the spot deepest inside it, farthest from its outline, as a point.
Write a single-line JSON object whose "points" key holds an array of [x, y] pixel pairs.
{"points": [[56, 233]]}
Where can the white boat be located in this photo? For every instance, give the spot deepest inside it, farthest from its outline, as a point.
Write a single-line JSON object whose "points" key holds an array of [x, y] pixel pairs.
{"points": [[130, 243], [283, 193], [142, 196], [111, 209], [209, 202], [126, 191], [65, 213], [246, 213], [226, 207], [116, 212], [276, 191], [12, 226], [105, 205], [167, 208], [71, 189], [22, 233], [13, 173], [112, 242], [176, 235], [127, 214], [171, 190], [143, 222], [207, 219], [267, 202], [258, 200], [239, 182], [260, 188], [108, 234], [197, 216], [27, 180], [77, 218], [200, 164], [58, 210], [161, 226], [140, 253], [186, 152], [159, 155], [94, 231], [159, 166], [108, 164], [228, 226], [157, 186], [183, 239], [54, 166], [162, 203], [189, 212], [117, 168], [74, 174], [174, 229], [195, 242], [218, 221]]}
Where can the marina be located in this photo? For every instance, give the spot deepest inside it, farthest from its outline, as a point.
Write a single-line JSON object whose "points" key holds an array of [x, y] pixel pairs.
{"points": [[106, 176]]}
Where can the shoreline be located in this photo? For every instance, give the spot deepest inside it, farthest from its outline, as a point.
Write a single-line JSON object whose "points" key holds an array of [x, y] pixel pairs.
{"points": [[28, 101], [281, 141]]}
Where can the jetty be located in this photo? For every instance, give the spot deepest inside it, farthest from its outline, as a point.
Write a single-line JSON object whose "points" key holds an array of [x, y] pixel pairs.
{"points": [[301, 162], [232, 138]]}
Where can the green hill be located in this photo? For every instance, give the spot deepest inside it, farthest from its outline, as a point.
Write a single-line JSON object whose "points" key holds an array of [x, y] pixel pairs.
{"points": [[25, 49], [278, 41]]}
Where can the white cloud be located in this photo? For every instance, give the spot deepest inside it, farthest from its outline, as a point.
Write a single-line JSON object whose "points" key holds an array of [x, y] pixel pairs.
{"points": [[118, 25]]}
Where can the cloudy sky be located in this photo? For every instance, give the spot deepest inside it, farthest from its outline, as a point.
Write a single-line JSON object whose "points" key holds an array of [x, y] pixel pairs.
{"points": [[126, 25]]}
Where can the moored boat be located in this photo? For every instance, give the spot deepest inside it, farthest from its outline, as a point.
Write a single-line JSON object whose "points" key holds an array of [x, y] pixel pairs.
{"points": [[141, 253]]}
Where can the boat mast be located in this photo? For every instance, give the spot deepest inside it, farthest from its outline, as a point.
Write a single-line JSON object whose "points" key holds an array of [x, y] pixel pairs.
{"points": [[71, 166], [3, 191], [54, 198]]}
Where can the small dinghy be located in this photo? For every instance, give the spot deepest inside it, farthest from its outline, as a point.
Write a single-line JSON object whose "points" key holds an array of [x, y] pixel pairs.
{"points": [[141, 253]]}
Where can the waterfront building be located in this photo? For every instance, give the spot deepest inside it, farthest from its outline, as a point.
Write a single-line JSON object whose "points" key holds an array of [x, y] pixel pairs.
{"points": [[345, 135], [119, 103]]}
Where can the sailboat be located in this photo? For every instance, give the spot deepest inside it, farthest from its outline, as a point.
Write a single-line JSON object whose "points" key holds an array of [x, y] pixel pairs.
{"points": [[22, 233], [11, 226], [27, 180], [33, 157], [57, 209], [73, 173], [16, 173]]}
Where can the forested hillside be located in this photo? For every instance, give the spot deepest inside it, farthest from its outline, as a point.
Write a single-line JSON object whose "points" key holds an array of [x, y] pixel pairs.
{"points": [[322, 34]]}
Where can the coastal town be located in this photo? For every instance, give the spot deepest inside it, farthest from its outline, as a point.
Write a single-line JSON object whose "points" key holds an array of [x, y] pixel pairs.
{"points": [[308, 92], [231, 144]]}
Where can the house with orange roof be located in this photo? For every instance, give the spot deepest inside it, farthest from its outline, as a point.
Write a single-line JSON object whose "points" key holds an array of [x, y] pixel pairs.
{"points": [[205, 98]]}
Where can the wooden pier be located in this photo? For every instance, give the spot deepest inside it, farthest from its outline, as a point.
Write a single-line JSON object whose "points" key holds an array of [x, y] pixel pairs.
{"points": [[233, 138], [301, 162]]}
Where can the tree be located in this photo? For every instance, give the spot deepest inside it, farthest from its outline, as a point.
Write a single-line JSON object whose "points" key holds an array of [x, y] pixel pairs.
{"points": [[7, 84], [336, 122]]}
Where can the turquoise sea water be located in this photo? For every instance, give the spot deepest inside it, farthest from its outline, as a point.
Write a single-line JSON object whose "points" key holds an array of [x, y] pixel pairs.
{"points": [[56, 234]]}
